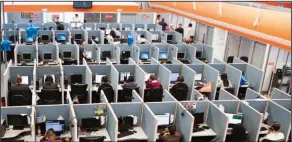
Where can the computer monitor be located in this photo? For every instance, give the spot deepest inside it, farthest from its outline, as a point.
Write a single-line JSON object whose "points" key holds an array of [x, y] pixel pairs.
{"points": [[198, 54], [57, 125], [163, 120], [52, 75], [198, 77], [45, 37], [154, 37], [98, 78], [127, 28], [90, 124], [26, 56], [92, 139], [24, 79], [144, 55], [106, 54], [47, 56], [162, 55], [61, 36], [89, 54], [180, 55], [67, 55], [78, 36], [199, 118], [126, 54], [76, 78], [174, 77], [169, 37], [17, 120], [124, 76]]}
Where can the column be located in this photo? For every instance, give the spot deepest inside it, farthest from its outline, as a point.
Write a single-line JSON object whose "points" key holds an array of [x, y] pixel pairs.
{"points": [[219, 43], [119, 15]]}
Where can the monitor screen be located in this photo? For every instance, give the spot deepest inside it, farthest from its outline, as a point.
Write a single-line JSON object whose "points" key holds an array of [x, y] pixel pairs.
{"points": [[154, 37], [235, 118], [17, 120], [124, 76], [58, 126], [88, 123], [199, 118], [98, 78], [45, 37], [67, 55], [126, 54], [169, 37], [76, 78], [151, 29], [180, 55], [88, 28], [106, 54], [163, 55], [139, 29], [26, 56], [24, 79], [198, 77], [52, 75], [144, 55], [88, 54], [78, 36], [11, 38], [163, 120], [198, 54], [47, 56], [61, 36], [174, 77]]}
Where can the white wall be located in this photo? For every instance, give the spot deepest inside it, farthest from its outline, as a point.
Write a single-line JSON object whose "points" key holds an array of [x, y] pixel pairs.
{"points": [[69, 16], [270, 67], [219, 43]]}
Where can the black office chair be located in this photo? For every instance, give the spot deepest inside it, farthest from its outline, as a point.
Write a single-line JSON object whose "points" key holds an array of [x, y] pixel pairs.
{"points": [[124, 61], [230, 59], [80, 92], [265, 140], [95, 97], [230, 90], [154, 95], [16, 98], [109, 93], [127, 95], [50, 96], [180, 94], [244, 58]]}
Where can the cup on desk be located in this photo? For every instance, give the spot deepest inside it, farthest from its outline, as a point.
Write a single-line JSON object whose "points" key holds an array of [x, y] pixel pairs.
{"points": [[10, 127]]}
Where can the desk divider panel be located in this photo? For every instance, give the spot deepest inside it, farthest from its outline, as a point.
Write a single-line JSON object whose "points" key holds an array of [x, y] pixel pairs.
{"points": [[208, 53], [196, 95], [78, 52], [199, 69], [258, 105], [174, 68], [22, 71], [125, 109], [225, 95], [71, 48], [217, 61], [163, 107], [116, 54], [103, 98], [93, 49], [279, 94], [254, 77], [251, 94], [27, 49], [114, 79], [219, 67], [50, 48], [90, 26], [69, 70], [231, 106], [189, 79], [148, 36], [149, 123], [53, 36], [167, 97], [154, 51], [175, 61], [211, 75], [88, 81], [112, 127], [108, 62], [241, 67], [238, 61], [172, 52], [234, 75], [281, 115], [136, 53], [284, 103], [217, 121], [140, 80], [100, 70], [62, 78], [164, 76], [136, 97], [196, 61], [85, 33], [131, 61], [57, 51], [73, 119], [150, 68], [252, 120], [154, 61], [9, 27], [184, 123], [4, 87]]}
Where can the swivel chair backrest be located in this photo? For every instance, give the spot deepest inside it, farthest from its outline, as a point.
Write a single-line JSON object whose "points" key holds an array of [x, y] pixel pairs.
{"points": [[180, 94], [109, 93], [244, 58], [50, 96], [154, 95], [230, 59], [127, 94]]}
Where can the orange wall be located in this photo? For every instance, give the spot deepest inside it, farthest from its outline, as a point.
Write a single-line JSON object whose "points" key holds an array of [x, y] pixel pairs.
{"points": [[286, 4]]}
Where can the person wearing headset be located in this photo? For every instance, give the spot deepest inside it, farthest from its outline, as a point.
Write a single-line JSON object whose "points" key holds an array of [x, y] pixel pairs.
{"points": [[49, 83], [104, 84], [171, 134], [179, 84], [153, 83], [223, 81], [273, 133], [51, 137], [131, 84]]}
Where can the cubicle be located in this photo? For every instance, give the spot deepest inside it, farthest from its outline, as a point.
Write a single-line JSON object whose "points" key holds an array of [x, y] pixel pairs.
{"points": [[171, 37], [125, 49], [252, 95], [147, 35], [77, 35], [286, 103], [279, 94], [91, 50], [206, 51], [139, 27], [186, 52], [113, 53], [154, 27], [48, 52], [71, 49], [127, 27], [67, 36], [97, 34], [9, 27], [150, 50], [168, 49], [12, 36], [25, 53], [46, 36], [156, 36]]}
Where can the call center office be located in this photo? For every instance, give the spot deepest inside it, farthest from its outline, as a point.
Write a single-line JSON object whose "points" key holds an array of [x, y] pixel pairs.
{"points": [[62, 95]]}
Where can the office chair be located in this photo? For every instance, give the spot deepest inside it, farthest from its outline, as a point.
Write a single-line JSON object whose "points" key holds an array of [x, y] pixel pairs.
{"points": [[244, 58], [16, 98], [230, 90], [50, 96], [95, 97], [154, 95], [124, 61], [79, 91], [180, 94], [127, 95], [265, 140], [109, 93], [230, 59]]}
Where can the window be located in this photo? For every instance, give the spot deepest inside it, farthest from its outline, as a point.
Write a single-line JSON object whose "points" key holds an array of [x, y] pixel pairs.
{"points": [[128, 18], [108, 17], [92, 17], [26, 15]]}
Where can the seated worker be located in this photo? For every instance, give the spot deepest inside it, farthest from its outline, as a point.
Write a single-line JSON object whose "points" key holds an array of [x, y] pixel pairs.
{"points": [[266, 94], [273, 133], [111, 36], [141, 39], [223, 81], [104, 84], [60, 26], [131, 84], [179, 84], [238, 134], [49, 83], [153, 83], [171, 134], [243, 80], [50, 136], [19, 84]]}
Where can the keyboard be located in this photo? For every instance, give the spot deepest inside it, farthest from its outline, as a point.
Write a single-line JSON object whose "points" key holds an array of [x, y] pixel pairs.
{"points": [[18, 127], [124, 134]]}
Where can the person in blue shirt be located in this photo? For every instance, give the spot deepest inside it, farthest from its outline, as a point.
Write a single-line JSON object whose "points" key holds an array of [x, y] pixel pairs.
{"points": [[243, 80]]}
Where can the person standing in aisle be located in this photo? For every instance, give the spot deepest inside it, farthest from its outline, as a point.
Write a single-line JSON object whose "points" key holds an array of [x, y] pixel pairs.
{"points": [[180, 29], [163, 24], [190, 33], [157, 19]]}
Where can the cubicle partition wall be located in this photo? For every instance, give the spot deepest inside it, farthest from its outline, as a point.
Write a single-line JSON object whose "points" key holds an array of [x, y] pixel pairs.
{"points": [[139, 27], [9, 27], [88, 81], [286, 103], [234, 75], [225, 95], [50, 26], [6, 77], [108, 47], [211, 75], [77, 31], [70, 70], [114, 79], [238, 61], [184, 122], [98, 34], [49, 48], [149, 123], [197, 96], [259, 105], [140, 76], [188, 51], [163, 76], [279, 94], [217, 61], [22, 26], [156, 36], [89, 26], [230, 106], [176, 37], [69, 48], [147, 35], [151, 49], [93, 49], [207, 51], [114, 26], [167, 97], [22, 71], [21, 49], [154, 27], [134, 54], [251, 95]]}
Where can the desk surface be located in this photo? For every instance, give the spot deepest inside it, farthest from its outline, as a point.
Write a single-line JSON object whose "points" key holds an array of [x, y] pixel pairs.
{"points": [[205, 133], [266, 131], [10, 133], [64, 135], [49, 63], [140, 135], [101, 132]]}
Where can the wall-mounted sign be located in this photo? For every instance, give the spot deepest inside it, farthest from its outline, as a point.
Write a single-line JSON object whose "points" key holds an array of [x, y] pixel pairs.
{"points": [[109, 16], [145, 16], [34, 16], [55, 16]]}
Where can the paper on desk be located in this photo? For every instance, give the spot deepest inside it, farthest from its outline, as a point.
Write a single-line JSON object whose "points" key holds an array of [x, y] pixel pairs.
{"points": [[221, 107], [266, 114]]}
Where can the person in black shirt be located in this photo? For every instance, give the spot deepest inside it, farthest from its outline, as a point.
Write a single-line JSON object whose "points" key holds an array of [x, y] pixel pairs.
{"points": [[104, 84], [60, 26], [49, 83], [179, 84], [180, 29], [163, 24]]}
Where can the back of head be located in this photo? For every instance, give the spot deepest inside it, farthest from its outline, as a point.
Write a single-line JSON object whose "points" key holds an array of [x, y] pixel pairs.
{"points": [[49, 80], [131, 78], [180, 79], [190, 24], [276, 126], [142, 36], [172, 129], [30, 21], [18, 79], [152, 77], [224, 78], [158, 16], [113, 33], [57, 23], [50, 133], [238, 133], [104, 79]]}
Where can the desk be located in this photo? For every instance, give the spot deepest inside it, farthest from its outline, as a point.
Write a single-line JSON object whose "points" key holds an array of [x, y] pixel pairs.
{"points": [[27, 64], [205, 133], [104, 61], [41, 87], [266, 131], [64, 135], [140, 135], [101, 132], [41, 63], [10, 133]]}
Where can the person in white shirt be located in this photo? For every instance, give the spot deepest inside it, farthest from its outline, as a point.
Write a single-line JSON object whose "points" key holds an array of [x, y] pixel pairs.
{"points": [[141, 39], [273, 133], [76, 19], [190, 33], [157, 19], [223, 81]]}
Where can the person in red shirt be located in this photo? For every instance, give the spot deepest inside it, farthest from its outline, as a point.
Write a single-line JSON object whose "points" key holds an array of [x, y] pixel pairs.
{"points": [[153, 83], [51, 137]]}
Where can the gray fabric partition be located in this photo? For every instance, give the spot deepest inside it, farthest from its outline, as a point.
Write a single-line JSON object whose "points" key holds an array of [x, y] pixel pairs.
{"points": [[234, 75], [47, 48], [279, 94], [125, 109], [208, 53], [164, 77], [69, 70], [196, 61], [189, 76], [140, 79], [154, 52], [252, 121], [87, 111], [237, 60], [127, 25], [88, 81], [150, 68], [139, 26], [22, 71], [93, 49], [241, 67], [259, 105], [52, 112], [174, 68], [42, 70], [284, 103], [184, 123], [217, 61], [136, 53], [27, 49], [159, 33], [163, 107], [116, 54], [219, 67], [172, 52], [167, 97], [114, 80], [230, 106], [175, 61], [279, 114], [224, 95], [71, 47], [181, 47], [251, 94], [217, 121], [199, 69], [126, 68], [136, 97], [254, 77], [190, 52], [112, 126], [211, 75], [149, 123], [154, 61], [15, 110], [97, 34]]}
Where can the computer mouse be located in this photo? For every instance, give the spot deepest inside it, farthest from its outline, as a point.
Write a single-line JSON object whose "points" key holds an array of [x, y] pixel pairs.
{"points": [[206, 127], [134, 131]]}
